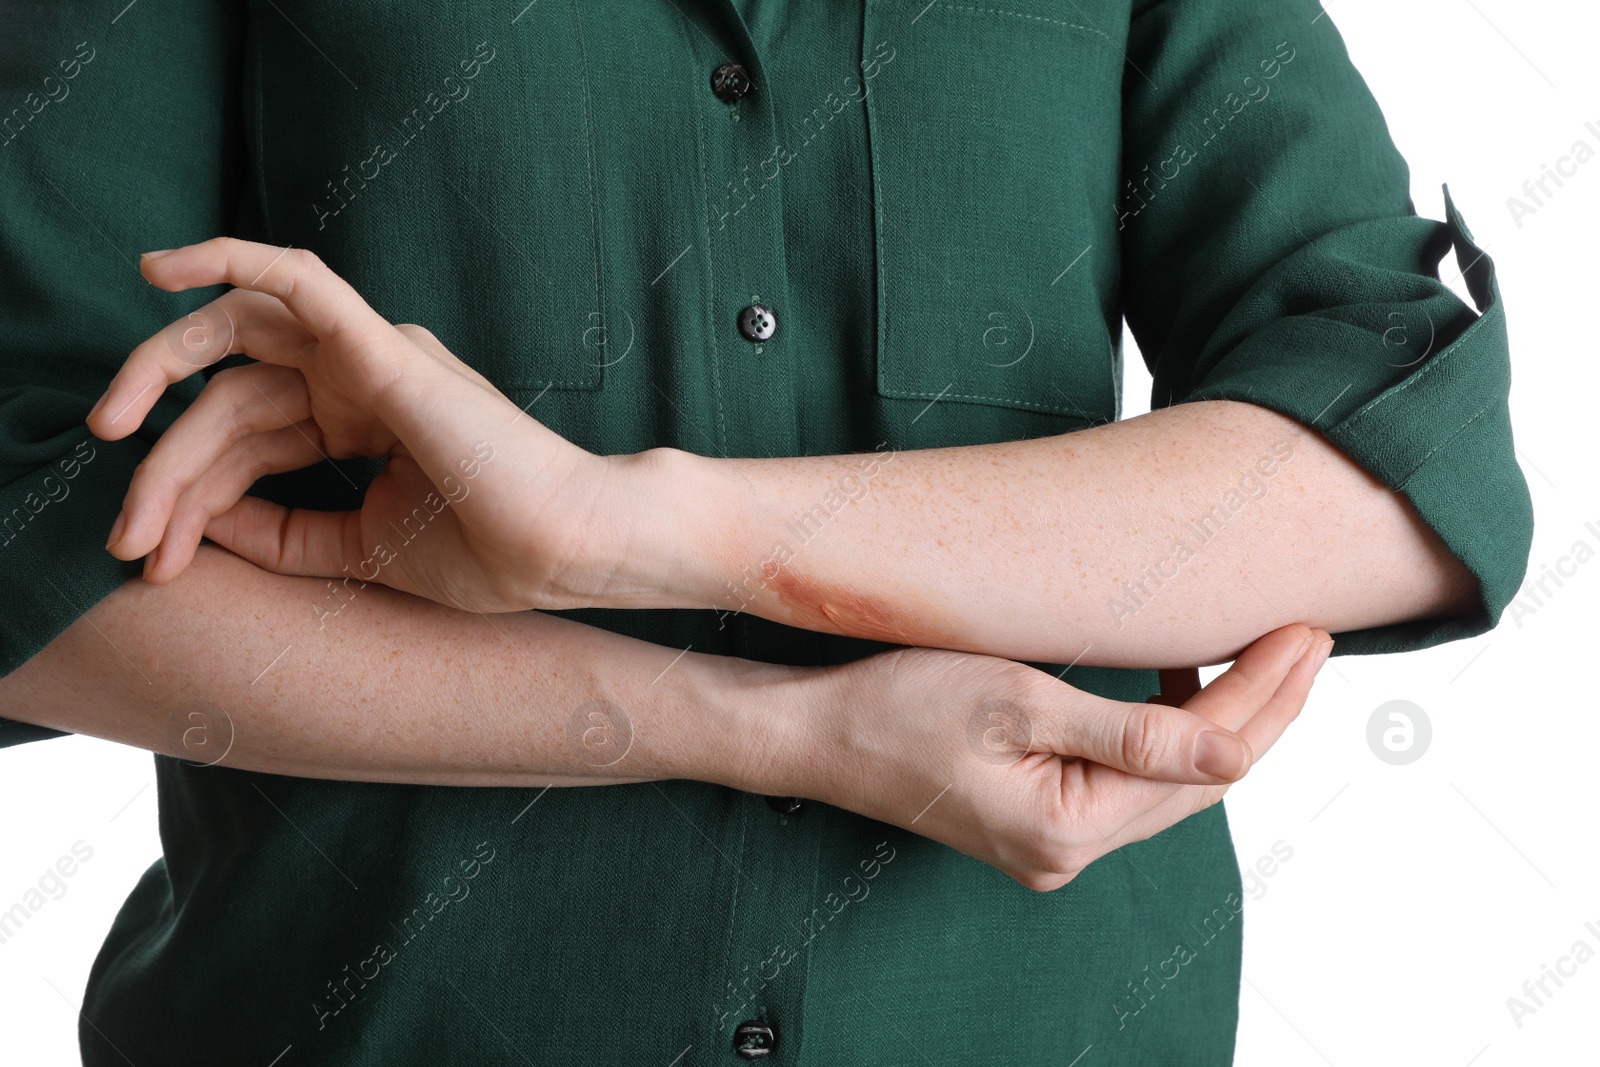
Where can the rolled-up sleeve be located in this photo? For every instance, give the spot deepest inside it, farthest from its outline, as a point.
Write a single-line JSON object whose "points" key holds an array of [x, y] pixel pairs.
{"points": [[116, 137], [1272, 254]]}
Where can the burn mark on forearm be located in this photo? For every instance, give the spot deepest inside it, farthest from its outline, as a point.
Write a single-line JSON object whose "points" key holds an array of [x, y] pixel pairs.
{"points": [[816, 605]]}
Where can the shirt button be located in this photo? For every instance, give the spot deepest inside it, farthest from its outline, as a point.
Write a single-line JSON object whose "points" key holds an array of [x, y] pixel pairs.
{"points": [[731, 83], [757, 322], [785, 805], [754, 1039]]}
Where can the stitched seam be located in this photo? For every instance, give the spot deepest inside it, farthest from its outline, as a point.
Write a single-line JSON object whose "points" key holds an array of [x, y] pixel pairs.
{"points": [[554, 383], [1013, 14], [721, 436], [1427, 368], [261, 160], [1459, 430], [738, 876], [881, 316], [588, 161], [1008, 401], [1343, 430]]}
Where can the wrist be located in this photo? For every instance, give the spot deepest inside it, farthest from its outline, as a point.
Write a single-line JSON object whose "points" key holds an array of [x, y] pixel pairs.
{"points": [[663, 531], [754, 725]]}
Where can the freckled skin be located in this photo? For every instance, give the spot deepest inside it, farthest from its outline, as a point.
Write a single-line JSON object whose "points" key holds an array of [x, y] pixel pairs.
{"points": [[818, 606], [1052, 549]]}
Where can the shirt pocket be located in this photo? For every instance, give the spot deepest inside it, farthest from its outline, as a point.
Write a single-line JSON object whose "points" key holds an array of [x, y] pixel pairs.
{"points": [[994, 136], [441, 161]]}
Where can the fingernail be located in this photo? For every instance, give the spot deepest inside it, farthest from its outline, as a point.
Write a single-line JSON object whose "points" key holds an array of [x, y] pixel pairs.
{"points": [[150, 560], [1220, 755], [1320, 655], [98, 404], [158, 254], [116, 530]]}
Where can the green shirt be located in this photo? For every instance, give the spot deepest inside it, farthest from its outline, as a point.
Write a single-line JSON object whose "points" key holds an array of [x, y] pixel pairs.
{"points": [[950, 209]]}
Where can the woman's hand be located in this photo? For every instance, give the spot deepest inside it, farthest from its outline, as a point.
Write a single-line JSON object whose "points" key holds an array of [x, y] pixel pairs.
{"points": [[1026, 773], [478, 507]]}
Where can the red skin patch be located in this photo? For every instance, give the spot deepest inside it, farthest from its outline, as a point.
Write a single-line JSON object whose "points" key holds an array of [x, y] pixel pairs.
{"points": [[832, 609]]}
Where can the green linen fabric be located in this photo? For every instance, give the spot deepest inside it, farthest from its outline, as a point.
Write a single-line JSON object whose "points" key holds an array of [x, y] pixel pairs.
{"points": [[951, 208]]}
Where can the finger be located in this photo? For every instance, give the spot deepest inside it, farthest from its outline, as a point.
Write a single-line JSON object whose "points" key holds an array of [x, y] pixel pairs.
{"points": [[1110, 799], [295, 541], [1148, 740], [1262, 732], [238, 321], [378, 361], [324, 303], [222, 486], [236, 405], [1132, 809], [1289, 699], [1178, 744], [1234, 697]]}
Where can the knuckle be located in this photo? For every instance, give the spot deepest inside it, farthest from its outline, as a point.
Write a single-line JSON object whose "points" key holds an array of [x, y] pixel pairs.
{"points": [[151, 481], [305, 260], [231, 250], [413, 332], [151, 478], [252, 463], [233, 387], [1145, 738]]}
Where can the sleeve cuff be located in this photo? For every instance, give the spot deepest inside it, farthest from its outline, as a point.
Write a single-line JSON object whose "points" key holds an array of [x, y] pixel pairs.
{"points": [[1440, 432]]}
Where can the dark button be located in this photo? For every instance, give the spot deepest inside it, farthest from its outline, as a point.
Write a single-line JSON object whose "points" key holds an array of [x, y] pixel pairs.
{"points": [[731, 83], [785, 805], [757, 322], [754, 1039]]}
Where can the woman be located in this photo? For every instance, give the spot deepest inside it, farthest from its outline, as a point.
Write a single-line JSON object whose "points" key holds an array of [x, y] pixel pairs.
{"points": [[772, 353]]}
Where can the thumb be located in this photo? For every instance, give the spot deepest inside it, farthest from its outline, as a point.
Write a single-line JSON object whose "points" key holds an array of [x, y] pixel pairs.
{"points": [[1149, 740], [1192, 744], [293, 541]]}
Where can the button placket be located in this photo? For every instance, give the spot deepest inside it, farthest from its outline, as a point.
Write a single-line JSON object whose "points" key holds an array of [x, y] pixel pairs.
{"points": [[744, 175], [759, 1005]]}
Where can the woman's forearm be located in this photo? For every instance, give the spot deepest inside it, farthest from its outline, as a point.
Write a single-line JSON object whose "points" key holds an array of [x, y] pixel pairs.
{"points": [[233, 665], [1170, 539]]}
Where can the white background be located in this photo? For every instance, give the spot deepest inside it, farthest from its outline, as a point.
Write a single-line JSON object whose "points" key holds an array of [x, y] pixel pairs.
{"points": [[1421, 897], [1418, 898]]}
